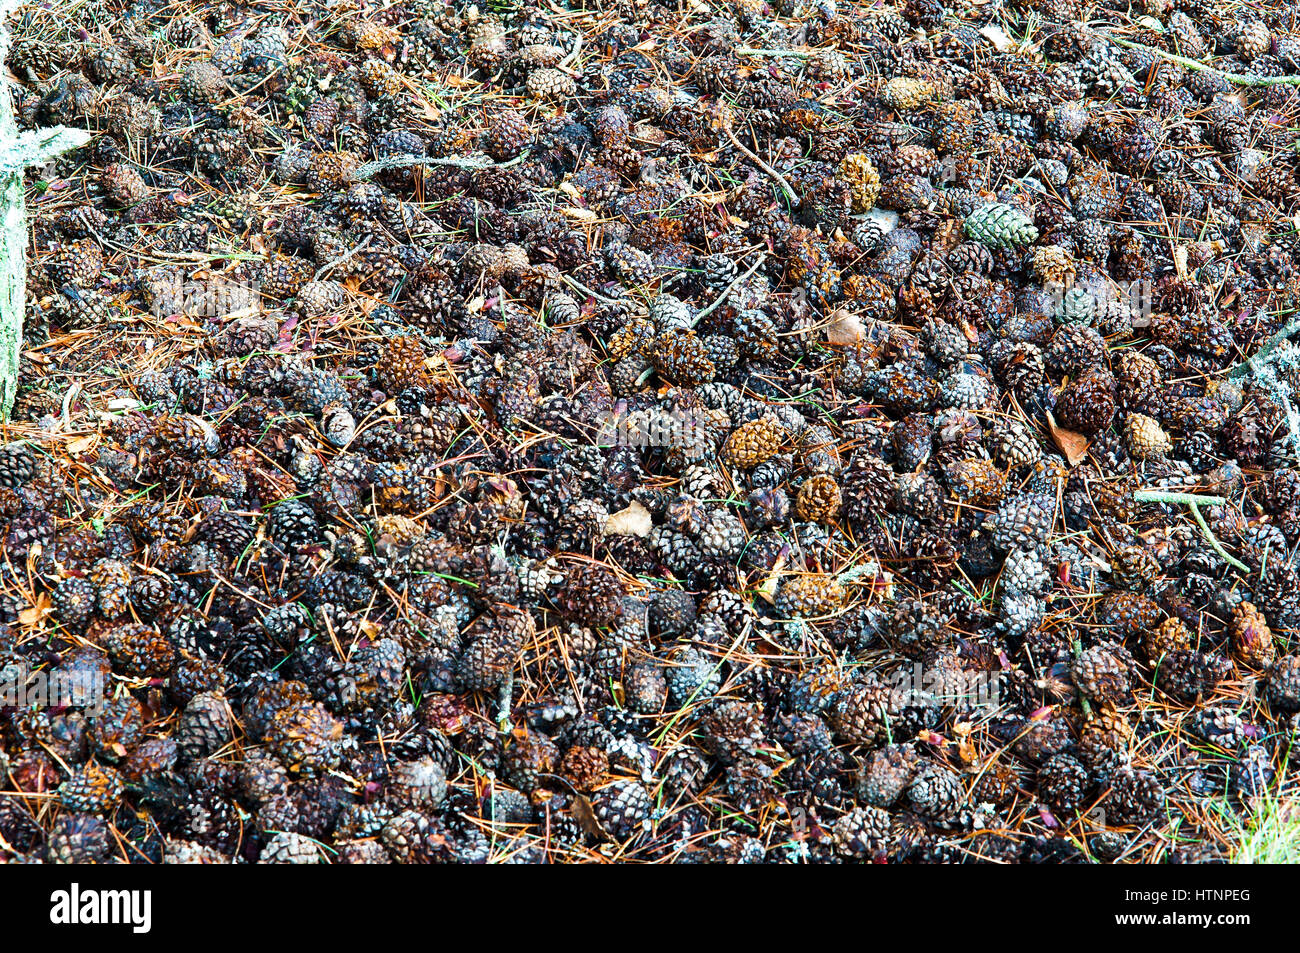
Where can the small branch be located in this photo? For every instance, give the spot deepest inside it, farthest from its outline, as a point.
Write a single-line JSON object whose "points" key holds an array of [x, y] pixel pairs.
{"points": [[331, 265], [579, 286], [750, 51], [753, 157], [645, 375], [573, 53], [1277, 351], [1266, 349], [1238, 78], [1216, 545], [472, 163], [503, 701], [1177, 499], [1194, 502], [723, 297], [36, 146], [1077, 648]]}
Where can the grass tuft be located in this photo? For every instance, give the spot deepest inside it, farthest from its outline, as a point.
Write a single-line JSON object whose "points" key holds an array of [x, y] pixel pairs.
{"points": [[1270, 834]]}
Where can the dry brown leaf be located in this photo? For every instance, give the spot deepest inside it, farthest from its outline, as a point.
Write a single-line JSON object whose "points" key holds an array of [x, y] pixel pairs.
{"points": [[635, 520], [1073, 445], [82, 444], [585, 815], [845, 327], [999, 38], [32, 615], [965, 746], [767, 591]]}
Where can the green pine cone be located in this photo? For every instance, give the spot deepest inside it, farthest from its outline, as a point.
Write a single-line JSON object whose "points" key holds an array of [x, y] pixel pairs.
{"points": [[1000, 226]]}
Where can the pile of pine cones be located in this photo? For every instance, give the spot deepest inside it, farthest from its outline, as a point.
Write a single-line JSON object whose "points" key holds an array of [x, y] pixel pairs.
{"points": [[738, 433]]}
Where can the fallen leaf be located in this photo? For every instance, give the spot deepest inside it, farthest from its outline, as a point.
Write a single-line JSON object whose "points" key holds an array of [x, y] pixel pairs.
{"points": [[998, 37], [585, 815], [1073, 445], [768, 589], [966, 751], [886, 219], [32, 615], [82, 444], [845, 327], [635, 520]]}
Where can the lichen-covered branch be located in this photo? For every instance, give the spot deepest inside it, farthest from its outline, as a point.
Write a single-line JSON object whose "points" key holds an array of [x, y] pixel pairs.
{"points": [[18, 151]]}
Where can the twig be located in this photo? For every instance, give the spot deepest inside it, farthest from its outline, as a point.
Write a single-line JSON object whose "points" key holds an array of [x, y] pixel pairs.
{"points": [[1215, 544], [1194, 502], [573, 53], [1267, 379], [1177, 499], [68, 400], [1077, 646], [331, 265], [473, 163], [579, 286], [1261, 356], [1238, 78], [744, 634], [753, 157], [1266, 349], [1277, 351], [723, 297], [503, 701], [645, 375]]}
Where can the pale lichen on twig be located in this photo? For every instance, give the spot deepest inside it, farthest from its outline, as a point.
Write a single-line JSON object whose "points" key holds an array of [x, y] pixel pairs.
{"points": [[470, 163], [1194, 502], [1279, 352], [727, 291], [18, 151], [1239, 79], [790, 194]]}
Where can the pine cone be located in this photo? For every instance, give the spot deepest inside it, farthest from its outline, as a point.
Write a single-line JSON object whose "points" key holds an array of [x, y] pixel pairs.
{"points": [[1000, 226], [1252, 640]]}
